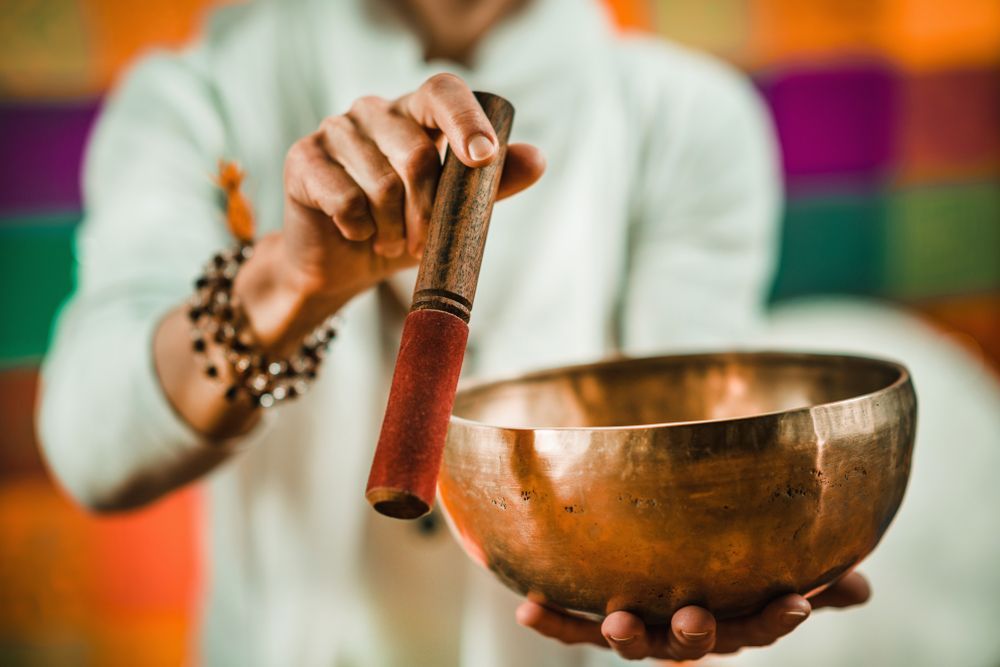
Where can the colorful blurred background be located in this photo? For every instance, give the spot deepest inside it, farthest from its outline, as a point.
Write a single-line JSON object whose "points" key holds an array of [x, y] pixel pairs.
{"points": [[888, 113]]}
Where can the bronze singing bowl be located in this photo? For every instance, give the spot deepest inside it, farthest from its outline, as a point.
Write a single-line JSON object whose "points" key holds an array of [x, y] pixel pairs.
{"points": [[722, 480]]}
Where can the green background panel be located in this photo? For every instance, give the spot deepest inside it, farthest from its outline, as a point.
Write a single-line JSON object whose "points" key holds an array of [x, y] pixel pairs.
{"points": [[36, 260], [917, 244], [943, 241], [832, 245]]}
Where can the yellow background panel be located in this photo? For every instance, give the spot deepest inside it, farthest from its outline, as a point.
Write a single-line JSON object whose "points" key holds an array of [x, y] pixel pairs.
{"points": [[718, 26], [43, 51], [75, 48]]}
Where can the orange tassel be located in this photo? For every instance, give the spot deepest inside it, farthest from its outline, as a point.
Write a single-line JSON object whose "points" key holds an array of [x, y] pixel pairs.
{"points": [[239, 213]]}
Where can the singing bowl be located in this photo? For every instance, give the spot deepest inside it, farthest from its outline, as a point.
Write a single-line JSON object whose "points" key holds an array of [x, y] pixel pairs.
{"points": [[722, 480]]}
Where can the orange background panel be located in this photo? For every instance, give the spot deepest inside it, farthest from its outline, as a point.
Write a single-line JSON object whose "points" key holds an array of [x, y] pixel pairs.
{"points": [[157, 547], [631, 14], [81, 589], [119, 29], [797, 30], [972, 320], [108, 589], [935, 34], [46, 564], [918, 34]]}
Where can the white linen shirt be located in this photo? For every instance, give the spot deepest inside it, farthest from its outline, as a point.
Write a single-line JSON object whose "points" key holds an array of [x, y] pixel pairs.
{"points": [[652, 230]]}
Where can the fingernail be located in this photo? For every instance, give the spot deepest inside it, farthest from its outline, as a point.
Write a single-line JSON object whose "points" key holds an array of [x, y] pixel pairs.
{"points": [[793, 617], [480, 147], [694, 636], [622, 640]]}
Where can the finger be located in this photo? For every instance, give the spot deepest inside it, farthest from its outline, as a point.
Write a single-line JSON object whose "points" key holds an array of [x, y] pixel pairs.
{"points": [[445, 103], [370, 169], [411, 153], [778, 618], [558, 626], [626, 634], [691, 635], [314, 181], [524, 165], [848, 591]]}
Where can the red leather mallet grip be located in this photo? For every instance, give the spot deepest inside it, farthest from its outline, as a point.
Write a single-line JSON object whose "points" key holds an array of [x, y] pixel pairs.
{"points": [[404, 473]]}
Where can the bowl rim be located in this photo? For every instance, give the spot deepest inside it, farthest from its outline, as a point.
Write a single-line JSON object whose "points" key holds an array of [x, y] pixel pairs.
{"points": [[901, 380]]}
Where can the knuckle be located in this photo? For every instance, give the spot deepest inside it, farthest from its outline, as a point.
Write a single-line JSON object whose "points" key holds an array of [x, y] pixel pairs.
{"points": [[296, 158], [366, 105], [297, 151], [351, 204], [388, 186], [442, 82], [421, 160], [336, 126]]}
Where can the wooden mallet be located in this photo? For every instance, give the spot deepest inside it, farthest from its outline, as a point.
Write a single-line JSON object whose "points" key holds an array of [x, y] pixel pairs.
{"points": [[404, 474]]}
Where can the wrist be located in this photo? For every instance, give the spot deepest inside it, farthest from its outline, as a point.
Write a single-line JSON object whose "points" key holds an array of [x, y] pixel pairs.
{"points": [[281, 307]]}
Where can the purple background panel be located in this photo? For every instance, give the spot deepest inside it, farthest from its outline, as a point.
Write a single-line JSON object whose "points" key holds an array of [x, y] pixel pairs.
{"points": [[836, 124], [41, 148]]}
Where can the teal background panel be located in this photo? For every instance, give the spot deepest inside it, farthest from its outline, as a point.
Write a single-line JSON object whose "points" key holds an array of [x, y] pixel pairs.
{"points": [[834, 244], [36, 266]]}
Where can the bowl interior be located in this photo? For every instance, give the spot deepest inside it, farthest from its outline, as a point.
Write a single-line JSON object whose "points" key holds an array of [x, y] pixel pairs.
{"points": [[673, 389]]}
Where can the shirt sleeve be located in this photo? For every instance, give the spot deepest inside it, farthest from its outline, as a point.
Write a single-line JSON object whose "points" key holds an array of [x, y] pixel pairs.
{"points": [[152, 218], [702, 243]]}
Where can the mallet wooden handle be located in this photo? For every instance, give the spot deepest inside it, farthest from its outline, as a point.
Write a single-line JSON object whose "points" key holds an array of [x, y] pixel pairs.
{"points": [[456, 236], [403, 477]]}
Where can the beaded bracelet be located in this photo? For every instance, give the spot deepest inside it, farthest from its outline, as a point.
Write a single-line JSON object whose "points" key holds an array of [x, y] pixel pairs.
{"points": [[216, 315]]}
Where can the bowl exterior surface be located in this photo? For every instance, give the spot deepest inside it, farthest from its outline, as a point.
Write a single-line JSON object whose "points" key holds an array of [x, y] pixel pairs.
{"points": [[726, 514]]}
